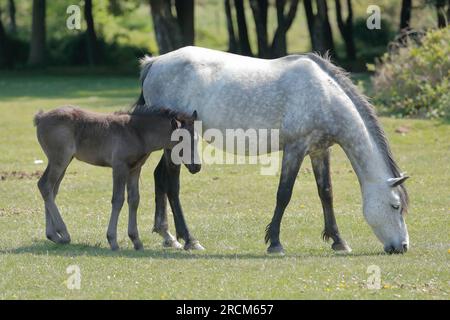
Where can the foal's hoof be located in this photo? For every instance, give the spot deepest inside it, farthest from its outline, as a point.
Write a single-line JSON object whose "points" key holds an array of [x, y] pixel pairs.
{"points": [[276, 249], [193, 245], [341, 247], [172, 243]]}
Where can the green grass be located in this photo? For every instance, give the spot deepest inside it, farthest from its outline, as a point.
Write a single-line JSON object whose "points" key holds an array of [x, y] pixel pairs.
{"points": [[227, 208]]}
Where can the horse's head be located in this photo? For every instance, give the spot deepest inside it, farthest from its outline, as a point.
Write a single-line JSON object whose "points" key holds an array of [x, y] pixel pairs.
{"points": [[384, 211], [187, 149]]}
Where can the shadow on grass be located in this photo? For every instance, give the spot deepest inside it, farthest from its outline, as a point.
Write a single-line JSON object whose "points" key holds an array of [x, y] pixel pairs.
{"points": [[73, 250]]}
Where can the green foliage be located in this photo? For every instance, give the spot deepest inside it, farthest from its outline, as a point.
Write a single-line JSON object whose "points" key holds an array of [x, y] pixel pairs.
{"points": [[371, 44], [413, 80]]}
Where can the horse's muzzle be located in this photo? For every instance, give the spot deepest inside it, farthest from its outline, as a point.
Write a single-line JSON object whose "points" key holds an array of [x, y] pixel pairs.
{"points": [[390, 249]]}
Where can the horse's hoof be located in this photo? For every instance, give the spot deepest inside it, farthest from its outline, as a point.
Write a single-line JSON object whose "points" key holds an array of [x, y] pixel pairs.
{"points": [[138, 247], [276, 249], [341, 247], [172, 243], [193, 245], [114, 247]]}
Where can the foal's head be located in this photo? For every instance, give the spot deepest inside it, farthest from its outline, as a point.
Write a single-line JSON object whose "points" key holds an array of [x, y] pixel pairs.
{"points": [[185, 138]]}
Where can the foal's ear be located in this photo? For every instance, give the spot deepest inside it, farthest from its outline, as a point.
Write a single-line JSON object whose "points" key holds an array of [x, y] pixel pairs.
{"points": [[176, 124], [394, 182], [194, 115]]}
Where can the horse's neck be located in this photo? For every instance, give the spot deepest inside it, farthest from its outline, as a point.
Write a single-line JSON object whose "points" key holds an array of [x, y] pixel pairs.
{"points": [[364, 155]]}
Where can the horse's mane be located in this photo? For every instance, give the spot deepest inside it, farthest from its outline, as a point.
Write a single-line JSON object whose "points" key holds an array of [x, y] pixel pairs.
{"points": [[367, 113], [144, 110]]}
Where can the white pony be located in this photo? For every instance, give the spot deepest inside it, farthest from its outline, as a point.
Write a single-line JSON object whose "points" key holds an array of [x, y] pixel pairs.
{"points": [[312, 103]]}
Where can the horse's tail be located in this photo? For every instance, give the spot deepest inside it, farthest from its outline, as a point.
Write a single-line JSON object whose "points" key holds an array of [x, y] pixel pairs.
{"points": [[37, 117], [146, 63]]}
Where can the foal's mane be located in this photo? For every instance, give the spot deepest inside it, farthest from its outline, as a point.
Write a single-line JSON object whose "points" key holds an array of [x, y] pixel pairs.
{"points": [[367, 113], [145, 111]]}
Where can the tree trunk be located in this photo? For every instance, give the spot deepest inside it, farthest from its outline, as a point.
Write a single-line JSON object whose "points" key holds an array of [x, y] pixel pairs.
{"points": [[441, 15], [244, 43], [319, 27], [3, 46], [260, 10], [12, 17], [91, 36], [167, 30], [185, 16], [405, 14], [37, 46], [279, 44], [346, 28], [232, 42]]}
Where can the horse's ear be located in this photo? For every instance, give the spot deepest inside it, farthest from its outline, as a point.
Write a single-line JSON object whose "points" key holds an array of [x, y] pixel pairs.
{"points": [[194, 115], [176, 124], [394, 182]]}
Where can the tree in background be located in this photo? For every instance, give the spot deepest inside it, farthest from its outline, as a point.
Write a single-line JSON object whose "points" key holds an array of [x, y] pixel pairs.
{"points": [[279, 44], [3, 47], [12, 27], [91, 36], [232, 40], [260, 10], [405, 14], [185, 14], [38, 34], [244, 42], [346, 28], [319, 26], [173, 32], [443, 14], [278, 47]]}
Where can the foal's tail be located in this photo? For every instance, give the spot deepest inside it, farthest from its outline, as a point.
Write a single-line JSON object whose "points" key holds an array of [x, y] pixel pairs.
{"points": [[37, 117], [145, 62]]}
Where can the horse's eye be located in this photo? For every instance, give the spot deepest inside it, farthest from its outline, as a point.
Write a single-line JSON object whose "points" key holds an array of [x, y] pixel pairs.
{"points": [[395, 206]]}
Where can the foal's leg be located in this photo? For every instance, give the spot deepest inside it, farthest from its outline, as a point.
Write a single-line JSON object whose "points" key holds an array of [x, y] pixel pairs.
{"points": [[56, 229], [292, 159], [161, 225], [133, 204], [321, 167], [120, 175], [173, 194], [49, 227]]}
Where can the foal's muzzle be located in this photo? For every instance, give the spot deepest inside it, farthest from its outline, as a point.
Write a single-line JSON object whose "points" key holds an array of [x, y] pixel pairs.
{"points": [[194, 168]]}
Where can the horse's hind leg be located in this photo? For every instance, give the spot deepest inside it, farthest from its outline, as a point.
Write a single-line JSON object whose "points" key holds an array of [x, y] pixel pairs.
{"points": [[161, 225], [321, 167], [56, 229], [50, 231], [133, 204], [292, 159]]}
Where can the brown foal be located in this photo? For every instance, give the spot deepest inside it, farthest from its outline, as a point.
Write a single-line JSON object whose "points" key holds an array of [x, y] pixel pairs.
{"points": [[122, 141]]}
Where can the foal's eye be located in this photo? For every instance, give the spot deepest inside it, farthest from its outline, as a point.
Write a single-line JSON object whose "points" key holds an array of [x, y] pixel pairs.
{"points": [[395, 206]]}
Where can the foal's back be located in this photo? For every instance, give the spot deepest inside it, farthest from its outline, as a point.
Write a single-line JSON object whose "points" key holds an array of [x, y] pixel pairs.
{"points": [[88, 136]]}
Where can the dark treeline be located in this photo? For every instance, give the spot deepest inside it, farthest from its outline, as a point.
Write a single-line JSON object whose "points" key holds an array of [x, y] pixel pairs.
{"points": [[174, 27]]}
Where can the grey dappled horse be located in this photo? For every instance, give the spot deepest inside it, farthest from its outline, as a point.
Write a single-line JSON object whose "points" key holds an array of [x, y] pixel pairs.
{"points": [[313, 104]]}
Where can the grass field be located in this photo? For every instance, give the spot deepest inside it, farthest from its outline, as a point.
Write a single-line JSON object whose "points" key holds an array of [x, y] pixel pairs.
{"points": [[227, 208]]}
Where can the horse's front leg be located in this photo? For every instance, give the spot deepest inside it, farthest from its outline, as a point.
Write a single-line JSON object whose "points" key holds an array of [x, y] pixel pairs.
{"points": [[173, 194], [321, 166], [120, 176], [161, 225], [292, 158]]}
